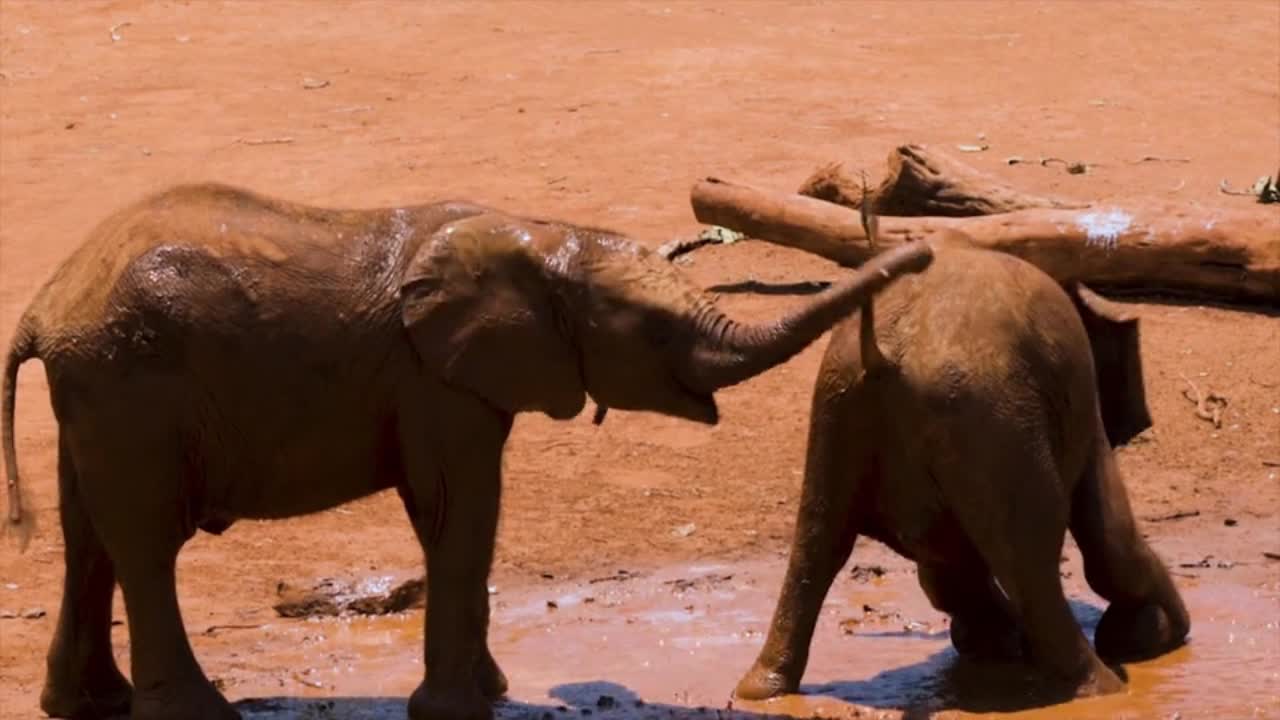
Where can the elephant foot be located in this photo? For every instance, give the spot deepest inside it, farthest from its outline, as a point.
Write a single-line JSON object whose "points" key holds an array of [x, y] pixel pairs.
{"points": [[490, 678], [193, 700], [1126, 634], [987, 641], [427, 704], [1101, 680], [102, 695], [762, 683]]}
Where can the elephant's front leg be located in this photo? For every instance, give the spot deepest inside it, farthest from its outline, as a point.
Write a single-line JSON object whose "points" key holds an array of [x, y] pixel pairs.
{"points": [[465, 479], [489, 677]]}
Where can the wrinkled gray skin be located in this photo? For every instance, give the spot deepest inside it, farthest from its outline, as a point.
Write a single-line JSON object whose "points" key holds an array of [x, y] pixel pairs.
{"points": [[214, 354], [980, 435]]}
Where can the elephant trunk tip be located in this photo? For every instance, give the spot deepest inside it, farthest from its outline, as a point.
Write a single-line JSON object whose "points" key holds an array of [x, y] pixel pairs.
{"points": [[734, 352]]}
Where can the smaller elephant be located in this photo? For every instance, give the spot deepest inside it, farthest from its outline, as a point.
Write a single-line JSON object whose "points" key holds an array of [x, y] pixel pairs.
{"points": [[968, 422]]}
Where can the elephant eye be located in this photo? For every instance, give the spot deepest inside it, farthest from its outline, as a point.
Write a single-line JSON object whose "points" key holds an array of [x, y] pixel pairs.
{"points": [[424, 285]]}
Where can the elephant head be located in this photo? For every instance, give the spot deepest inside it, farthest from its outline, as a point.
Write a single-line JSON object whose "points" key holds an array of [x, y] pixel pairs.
{"points": [[536, 315], [1117, 360]]}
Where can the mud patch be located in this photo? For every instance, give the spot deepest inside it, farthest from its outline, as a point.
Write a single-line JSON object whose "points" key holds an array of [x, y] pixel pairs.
{"points": [[673, 644], [333, 597]]}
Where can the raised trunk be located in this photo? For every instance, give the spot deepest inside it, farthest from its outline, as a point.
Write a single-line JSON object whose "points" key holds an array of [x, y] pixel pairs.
{"points": [[729, 352]]}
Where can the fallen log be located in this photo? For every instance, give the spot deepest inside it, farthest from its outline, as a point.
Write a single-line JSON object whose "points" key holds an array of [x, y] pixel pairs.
{"points": [[921, 181], [1143, 248]]}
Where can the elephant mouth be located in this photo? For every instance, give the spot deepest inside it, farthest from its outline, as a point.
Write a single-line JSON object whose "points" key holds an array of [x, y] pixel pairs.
{"points": [[702, 406]]}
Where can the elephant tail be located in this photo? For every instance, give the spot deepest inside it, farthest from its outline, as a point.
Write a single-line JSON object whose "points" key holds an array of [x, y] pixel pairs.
{"points": [[23, 347], [873, 358]]}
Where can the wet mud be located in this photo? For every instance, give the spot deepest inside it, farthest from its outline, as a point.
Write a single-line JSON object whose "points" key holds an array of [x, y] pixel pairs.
{"points": [[674, 643], [605, 115]]}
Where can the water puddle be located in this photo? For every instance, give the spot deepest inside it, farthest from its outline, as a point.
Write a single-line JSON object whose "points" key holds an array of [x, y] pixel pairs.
{"points": [[674, 643]]}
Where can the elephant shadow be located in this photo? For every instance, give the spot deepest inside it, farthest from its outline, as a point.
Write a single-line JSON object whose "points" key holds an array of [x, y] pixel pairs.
{"points": [[945, 681]]}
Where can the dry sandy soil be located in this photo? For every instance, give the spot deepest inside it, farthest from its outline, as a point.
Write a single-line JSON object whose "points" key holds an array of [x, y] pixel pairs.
{"points": [[606, 113]]}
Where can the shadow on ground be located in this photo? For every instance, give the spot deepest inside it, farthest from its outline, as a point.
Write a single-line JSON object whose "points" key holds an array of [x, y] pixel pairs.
{"points": [[804, 287]]}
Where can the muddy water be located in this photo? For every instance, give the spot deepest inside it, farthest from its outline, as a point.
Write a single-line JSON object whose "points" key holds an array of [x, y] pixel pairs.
{"points": [[675, 642]]}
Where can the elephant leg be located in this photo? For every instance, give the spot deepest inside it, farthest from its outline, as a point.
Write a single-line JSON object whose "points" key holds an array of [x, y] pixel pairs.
{"points": [[135, 498], [489, 676], [1023, 549], [1146, 616], [459, 556], [982, 623], [823, 539], [83, 680]]}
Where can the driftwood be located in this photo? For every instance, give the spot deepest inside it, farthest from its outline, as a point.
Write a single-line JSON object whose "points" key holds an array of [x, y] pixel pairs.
{"points": [[923, 182], [1141, 248]]}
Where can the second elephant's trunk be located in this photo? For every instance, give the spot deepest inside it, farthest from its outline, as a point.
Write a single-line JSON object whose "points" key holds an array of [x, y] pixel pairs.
{"points": [[729, 352]]}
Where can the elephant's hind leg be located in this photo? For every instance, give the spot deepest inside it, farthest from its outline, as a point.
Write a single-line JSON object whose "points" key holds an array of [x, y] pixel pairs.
{"points": [[83, 680], [982, 623], [839, 458], [1020, 537], [133, 490], [1146, 616]]}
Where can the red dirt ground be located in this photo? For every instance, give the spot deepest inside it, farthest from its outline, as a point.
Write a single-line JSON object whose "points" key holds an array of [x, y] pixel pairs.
{"points": [[606, 113]]}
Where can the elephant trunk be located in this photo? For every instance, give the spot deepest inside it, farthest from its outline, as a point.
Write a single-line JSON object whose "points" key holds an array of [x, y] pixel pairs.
{"points": [[729, 352]]}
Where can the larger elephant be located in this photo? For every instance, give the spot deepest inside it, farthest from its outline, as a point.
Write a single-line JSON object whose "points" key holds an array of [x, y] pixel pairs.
{"points": [[215, 354], [967, 423]]}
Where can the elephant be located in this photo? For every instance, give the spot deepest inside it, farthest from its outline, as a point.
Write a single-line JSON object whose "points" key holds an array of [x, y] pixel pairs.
{"points": [[215, 354], [966, 419]]}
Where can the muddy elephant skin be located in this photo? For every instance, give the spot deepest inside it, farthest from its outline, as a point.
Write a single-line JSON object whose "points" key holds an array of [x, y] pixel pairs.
{"points": [[968, 425], [215, 354]]}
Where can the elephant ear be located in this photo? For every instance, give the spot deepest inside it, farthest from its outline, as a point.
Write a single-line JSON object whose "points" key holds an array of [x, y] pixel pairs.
{"points": [[1117, 359], [479, 310]]}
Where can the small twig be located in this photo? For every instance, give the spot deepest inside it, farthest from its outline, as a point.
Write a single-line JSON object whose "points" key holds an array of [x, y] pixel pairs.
{"points": [[1155, 158], [602, 51], [1073, 168], [1225, 188], [1271, 463], [264, 141], [1271, 555], [309, 683], [680, 246], [1266, 189], [1209, 406], [1173, 516], [620, 576], [215, 628]]}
